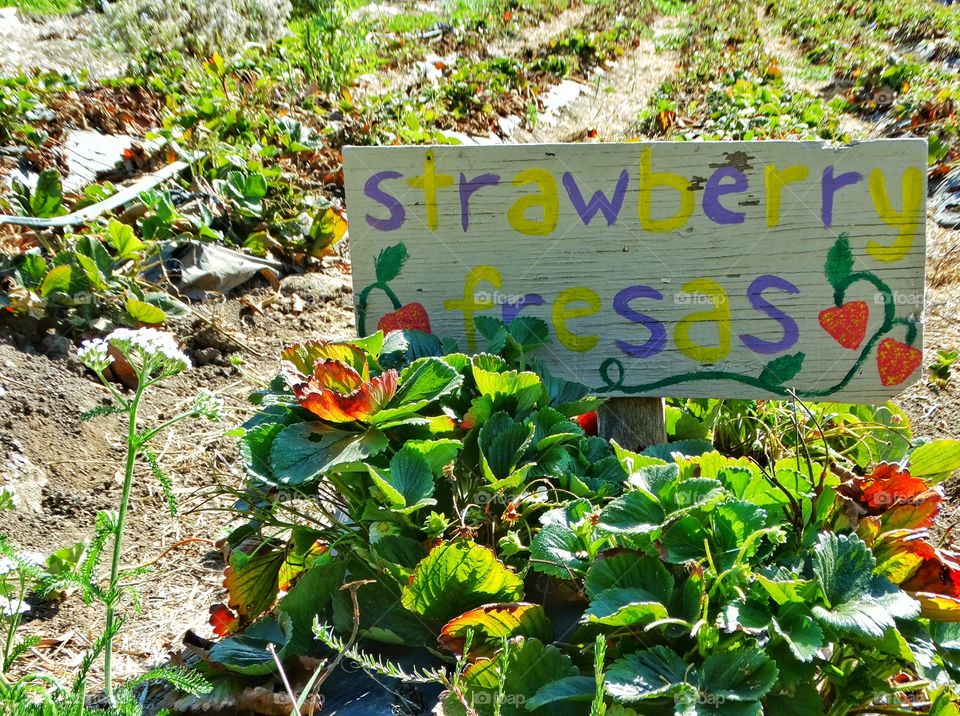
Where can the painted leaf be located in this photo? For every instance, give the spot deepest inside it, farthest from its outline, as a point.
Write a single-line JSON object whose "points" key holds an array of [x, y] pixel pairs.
{"points": [[782, 369], [408, 483], [857, 599], [648, 674], [935, 460], [459, 575], [558, 551], [491, 623], [530, 666], [253, 582], [389, 262], [839, 261], [247, 653], [304, 451], [746, 674]]}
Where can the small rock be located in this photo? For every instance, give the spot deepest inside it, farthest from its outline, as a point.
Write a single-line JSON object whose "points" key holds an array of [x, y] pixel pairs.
{"points": [[945, 201], [314, 287], [207, 356], [56, 347]]}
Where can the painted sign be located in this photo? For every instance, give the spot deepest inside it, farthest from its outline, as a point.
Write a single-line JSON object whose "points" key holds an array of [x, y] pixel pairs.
{"points": [[714, 269]]}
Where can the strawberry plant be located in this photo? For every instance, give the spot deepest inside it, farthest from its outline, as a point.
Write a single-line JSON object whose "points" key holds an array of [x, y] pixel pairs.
{"points": [[548, 570]]}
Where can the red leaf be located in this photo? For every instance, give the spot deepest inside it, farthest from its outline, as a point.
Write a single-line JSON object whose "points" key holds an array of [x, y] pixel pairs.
{"points": [[887, 486], [223, 620]]}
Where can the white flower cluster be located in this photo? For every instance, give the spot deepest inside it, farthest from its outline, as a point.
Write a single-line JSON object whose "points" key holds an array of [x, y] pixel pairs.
{"points": [[196, 27], [155, 350], [95, 354], [11, 607]]}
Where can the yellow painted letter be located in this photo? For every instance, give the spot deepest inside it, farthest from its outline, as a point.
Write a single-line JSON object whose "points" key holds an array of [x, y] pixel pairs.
{"points": [[430, 181], [775, 179], [562, 312], [648, 181], [546, 198], [908, 221], [474, 300], [703, 289]]}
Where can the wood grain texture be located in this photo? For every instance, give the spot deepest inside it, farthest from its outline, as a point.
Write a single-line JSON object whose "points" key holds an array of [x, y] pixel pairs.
{"points": [[637, 304]]}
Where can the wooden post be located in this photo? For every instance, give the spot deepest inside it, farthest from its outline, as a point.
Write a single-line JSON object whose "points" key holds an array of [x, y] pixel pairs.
{"points": [[635, 423]]}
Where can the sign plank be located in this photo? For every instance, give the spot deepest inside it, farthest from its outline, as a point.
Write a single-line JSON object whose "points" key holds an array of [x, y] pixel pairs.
{"points": [[714, 269]]}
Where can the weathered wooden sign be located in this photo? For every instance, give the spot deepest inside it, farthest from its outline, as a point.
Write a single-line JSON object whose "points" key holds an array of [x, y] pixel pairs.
{"points": [[715, 269]]}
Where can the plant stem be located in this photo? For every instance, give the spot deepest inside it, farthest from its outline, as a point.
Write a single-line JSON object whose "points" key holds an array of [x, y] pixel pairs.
{"points": [[133, 446]]}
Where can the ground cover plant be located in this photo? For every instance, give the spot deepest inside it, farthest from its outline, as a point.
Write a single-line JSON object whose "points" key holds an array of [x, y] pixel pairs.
{"points": [[473, 515], [400, 496]]}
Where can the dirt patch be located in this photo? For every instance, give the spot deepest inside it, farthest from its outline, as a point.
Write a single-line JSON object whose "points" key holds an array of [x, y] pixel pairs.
{"points": [[65, 43], [607, 108], [65, 470]]}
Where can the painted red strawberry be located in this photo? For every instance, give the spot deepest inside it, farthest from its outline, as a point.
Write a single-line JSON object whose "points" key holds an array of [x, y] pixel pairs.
{"points": [[588, 421], [897, 361], [847, 324], [412, 317]]}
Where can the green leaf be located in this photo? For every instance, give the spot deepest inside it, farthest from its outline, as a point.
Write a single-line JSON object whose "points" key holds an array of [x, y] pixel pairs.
{"points": [[530, 666], [31, 271], [624, 607], [839, 262], [624, 568], [494, 330], [743, 675], [424, 380], [935, 461], [803, 635], [503, 442], [46, 200], [529, 332], [571, 688], [456, 576], [633, 513], [666, 451], [143, 312], [857, 600], [304, 451], [309, 598], [58, 279], [523, 388], [408, 483], [782, 369], [247, 653], [120, 236], [649, 674], [389, 262], [437, 453], [558, 551]]}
